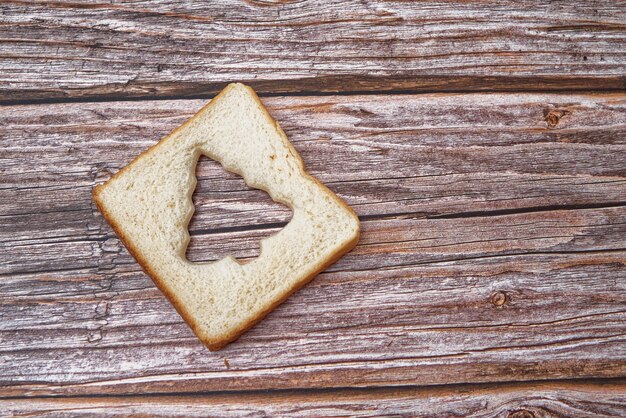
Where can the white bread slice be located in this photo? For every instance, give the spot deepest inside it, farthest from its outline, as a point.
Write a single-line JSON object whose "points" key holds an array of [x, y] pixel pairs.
{"points": [[148, 204]]}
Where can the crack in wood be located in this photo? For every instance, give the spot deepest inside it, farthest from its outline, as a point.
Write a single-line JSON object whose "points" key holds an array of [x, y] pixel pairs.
{"points": [[334, 87]]}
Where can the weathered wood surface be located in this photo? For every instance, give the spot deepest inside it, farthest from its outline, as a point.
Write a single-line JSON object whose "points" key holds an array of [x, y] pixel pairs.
{"points": [[560, 399], [493, 248], [74, 49], [488, 319]]}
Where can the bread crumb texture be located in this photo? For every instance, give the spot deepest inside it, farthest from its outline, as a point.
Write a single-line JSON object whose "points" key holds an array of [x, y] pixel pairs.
{"points": [[149, 205]]}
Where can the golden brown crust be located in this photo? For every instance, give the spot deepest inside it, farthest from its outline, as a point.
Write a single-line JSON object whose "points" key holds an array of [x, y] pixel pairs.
{"points": [[187, 122], [143, 263], [236, 334], [134, 251], [212, 344]]}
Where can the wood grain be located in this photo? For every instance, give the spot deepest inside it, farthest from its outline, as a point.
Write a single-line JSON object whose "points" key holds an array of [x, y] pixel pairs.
{"points": [[562, 316], [554, 399], [445, 156], [493, 249], [384, 243], [80, 49], [492, 152]]}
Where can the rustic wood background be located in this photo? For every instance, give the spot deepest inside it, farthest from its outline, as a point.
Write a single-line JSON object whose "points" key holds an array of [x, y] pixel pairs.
{"points": [[483, 145]]}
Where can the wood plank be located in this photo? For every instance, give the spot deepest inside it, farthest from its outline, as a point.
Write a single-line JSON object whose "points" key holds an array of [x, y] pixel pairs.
{"points": [[78, 49], [554, 399], [510, 318], [384, 242]]}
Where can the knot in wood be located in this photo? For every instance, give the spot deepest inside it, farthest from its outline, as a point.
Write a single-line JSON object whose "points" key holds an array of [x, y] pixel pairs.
{"points": [[552, 118], [498, 298]]}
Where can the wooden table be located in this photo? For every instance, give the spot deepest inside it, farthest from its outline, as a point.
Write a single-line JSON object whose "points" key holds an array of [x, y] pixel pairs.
{"points": [[483, 146]]}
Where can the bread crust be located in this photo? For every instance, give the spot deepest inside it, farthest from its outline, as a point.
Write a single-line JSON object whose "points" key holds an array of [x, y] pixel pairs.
{"points": [[211, 343]]}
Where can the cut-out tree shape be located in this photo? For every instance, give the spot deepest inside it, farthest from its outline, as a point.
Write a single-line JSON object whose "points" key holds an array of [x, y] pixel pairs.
{"points": [[229, 218]]}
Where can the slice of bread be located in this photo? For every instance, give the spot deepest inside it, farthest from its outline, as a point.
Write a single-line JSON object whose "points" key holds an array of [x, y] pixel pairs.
{"points": [[148, 204]]}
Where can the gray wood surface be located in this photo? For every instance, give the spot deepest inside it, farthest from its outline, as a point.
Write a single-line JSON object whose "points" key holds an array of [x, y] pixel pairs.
{"points": [[493, 248], [73, 49], [482, 144]]}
